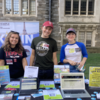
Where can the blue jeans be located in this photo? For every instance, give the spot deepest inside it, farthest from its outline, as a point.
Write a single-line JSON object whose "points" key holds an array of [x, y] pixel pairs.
{"points": [[72, 68]]}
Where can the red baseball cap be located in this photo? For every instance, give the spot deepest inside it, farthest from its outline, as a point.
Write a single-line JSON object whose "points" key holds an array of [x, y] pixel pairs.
{"points": [[48, 23]]}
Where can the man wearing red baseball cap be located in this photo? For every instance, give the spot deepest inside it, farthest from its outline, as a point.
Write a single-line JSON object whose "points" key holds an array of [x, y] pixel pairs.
{"points": [[44, 50]]}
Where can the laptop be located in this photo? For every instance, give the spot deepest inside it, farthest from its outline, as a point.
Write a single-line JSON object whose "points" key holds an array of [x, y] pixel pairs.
{"points": [[73, 86], [28, 86]]}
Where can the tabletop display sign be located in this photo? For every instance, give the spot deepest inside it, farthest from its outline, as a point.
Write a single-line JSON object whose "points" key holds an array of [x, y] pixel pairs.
{"points": [[47, 84], [94, 77], [60, 69], [13, 84], [31, 71], [4, 75], [52, 94]]}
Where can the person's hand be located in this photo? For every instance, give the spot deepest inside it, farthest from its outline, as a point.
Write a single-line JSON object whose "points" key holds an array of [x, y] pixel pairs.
{"points": [[81, 64], [72, 62]]}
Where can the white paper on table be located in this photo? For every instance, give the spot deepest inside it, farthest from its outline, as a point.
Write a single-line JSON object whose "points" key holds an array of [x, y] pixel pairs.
{"points": [[31, 71], [47, 83], [21, 97], [98, 96], [6, 96], [14, 83], [87, 81], [51, 92], [1, 96]]}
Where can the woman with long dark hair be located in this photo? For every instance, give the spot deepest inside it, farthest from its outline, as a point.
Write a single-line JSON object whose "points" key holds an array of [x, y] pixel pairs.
{"points": [[13, 54]]}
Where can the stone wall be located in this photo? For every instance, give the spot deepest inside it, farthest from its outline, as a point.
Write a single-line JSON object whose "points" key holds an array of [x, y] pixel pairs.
{"points": [[42, 16], [55, 19], [97, 37], [42, 13]]}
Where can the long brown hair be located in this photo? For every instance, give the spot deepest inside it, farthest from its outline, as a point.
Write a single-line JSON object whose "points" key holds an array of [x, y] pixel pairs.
{"points": [[7, 46]]}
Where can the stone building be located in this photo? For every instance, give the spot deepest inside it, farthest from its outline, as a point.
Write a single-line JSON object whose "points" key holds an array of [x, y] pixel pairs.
{"points": [[83, 15]]}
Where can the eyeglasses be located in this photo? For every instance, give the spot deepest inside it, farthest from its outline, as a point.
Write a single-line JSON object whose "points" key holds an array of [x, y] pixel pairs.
{"points": [[15, 32]]}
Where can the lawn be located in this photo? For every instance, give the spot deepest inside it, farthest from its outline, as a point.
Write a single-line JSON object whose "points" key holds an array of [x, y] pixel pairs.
{"points": [[93, 60]]}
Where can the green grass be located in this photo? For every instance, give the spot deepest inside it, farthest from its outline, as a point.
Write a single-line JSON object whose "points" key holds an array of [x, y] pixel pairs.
{"points": [[93, 60]]}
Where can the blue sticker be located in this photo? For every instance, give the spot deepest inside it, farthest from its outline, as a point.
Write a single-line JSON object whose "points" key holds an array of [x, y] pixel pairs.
{"points": [[95, 92], [47, 88], [79, 99], [16, 94], [40, 90], [93, 95], [54, 88], [93, 98]]}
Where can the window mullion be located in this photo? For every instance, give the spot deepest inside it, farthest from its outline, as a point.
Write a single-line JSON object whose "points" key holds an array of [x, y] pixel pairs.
{"points": [[87, 7], [12, 7], [20, 7], [28, 7], [4, 4], [94, 7], [36, 7], [79, 7], [71, 7]]}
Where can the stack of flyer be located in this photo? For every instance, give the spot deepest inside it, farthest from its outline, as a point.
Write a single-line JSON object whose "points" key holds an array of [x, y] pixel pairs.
{"points": [[52, 94], [6, 96]]}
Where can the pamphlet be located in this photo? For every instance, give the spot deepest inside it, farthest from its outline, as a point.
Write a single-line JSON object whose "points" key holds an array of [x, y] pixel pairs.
{"points": [[37, 95], [7, 92], [4, 75], [82, 69], [13, 84], [27, 97], [31, 71], [21, 97], [52, 94], [60, 69], [46, 84], [6, 96], [24, 98], [94, 77]]}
